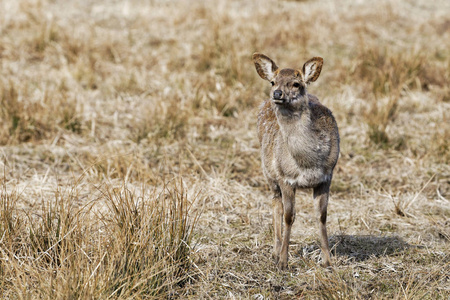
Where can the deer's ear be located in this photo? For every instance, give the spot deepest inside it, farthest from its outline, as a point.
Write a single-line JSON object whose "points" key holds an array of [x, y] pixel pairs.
{"points": [[265, 67], [311, 69]]}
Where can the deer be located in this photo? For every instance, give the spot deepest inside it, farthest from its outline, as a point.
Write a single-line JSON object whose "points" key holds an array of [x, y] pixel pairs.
{"points": [[299, 141]]}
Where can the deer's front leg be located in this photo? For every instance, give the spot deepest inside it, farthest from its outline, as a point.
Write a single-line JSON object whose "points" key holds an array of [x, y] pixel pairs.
{"points": [[277, 225], [288, 196]]}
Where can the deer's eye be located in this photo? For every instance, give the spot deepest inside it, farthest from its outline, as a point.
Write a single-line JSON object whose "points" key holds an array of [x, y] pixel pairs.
{"points": [[296, 85], [272, 83]]}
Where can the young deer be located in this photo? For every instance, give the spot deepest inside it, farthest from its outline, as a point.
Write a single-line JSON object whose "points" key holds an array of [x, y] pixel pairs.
{"points": [[299, 147]]}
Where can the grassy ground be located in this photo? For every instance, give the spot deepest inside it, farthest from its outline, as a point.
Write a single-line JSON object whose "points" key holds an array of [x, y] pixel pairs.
{"points": [[130, 164]]}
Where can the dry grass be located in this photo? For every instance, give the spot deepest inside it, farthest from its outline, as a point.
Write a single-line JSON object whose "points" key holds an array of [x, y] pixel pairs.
{"points": [[105, 106], [132, 247]]}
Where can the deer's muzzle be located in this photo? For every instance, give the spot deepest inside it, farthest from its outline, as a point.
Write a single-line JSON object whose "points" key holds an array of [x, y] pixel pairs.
{"points": [[277, 95]]}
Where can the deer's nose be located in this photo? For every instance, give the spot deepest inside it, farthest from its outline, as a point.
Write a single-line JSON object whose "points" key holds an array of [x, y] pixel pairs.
{"points": [[277, 94]]}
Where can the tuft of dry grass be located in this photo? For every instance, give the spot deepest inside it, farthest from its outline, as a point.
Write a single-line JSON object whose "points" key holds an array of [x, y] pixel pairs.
{"points": [[102, 105], [120, 245]]}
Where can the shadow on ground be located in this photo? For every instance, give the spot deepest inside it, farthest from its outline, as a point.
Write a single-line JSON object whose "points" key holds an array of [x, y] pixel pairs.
{"points": [[362, 247]]}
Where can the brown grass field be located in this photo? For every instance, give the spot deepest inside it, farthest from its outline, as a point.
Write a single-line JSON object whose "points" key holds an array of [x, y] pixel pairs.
{"points": [[130, 163]]}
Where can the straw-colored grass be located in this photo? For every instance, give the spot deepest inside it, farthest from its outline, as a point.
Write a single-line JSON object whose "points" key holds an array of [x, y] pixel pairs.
{"points": [[133, 247], [130, 164]]}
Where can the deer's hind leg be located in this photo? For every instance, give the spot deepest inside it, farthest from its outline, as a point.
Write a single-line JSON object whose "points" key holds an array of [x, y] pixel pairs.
{"points": [[321, 194]]}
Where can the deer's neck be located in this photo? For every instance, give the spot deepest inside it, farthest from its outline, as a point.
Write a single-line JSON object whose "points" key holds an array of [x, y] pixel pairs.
{"points": [[295, 128], [294, 121]]}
